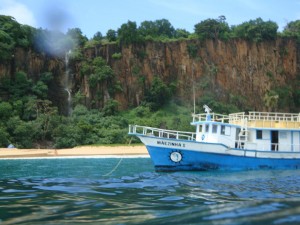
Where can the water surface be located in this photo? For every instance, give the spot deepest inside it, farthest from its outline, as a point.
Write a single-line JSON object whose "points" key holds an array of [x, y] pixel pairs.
{"points": [[129, 191]]}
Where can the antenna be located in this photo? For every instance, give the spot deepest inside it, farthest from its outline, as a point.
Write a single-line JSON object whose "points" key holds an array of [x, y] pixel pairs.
{"points": [[207, 109], [193, 81]]}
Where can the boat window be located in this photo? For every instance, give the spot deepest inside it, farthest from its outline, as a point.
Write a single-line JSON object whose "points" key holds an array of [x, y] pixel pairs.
{"points": [[206, 128], [225, 130], [214, 128], [200, 128], [258, 134]]}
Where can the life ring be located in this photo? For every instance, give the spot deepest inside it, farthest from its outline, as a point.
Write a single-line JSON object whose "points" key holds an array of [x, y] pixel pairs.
{"points": [[203, 137]]}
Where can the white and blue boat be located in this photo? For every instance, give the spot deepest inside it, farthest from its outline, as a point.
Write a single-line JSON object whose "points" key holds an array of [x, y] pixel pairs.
{"points": [[238, 141]]}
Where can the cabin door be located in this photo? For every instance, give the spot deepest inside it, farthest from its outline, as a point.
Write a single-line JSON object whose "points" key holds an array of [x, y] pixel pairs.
{"points": [[274, 140]]}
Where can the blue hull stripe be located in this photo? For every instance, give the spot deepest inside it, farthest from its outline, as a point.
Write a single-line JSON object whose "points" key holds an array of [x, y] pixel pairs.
{"points": [[192, 160]]}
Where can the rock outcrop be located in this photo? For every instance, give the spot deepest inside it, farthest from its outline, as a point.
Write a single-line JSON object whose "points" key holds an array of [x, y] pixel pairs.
{"points": [[235, 71]]}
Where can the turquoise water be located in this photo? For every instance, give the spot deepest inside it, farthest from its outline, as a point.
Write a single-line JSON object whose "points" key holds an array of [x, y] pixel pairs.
{"points": [[95, 191]]}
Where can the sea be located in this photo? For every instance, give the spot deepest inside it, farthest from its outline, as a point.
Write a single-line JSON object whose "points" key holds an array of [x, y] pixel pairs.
{"points": [[127, 190]]}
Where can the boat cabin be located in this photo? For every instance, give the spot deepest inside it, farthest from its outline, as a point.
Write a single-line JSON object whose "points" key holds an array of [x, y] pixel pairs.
{"points": [[264, 131]]}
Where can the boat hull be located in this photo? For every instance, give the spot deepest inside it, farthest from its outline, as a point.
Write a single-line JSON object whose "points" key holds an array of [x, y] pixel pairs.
{"points": [[190, 155]]}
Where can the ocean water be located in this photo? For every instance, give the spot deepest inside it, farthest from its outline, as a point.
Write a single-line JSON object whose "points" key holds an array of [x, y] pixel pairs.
{"points": [[129, 191]]}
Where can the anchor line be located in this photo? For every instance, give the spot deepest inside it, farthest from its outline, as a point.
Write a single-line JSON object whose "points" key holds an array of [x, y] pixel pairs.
{"points": [[113, 170]]}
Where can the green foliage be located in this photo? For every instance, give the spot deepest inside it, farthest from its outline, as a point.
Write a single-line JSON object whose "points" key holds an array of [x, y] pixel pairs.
{"points": [[110, 108], [111, 35], [128, 33], [6, 45], [4, 137], [213, 29], [98, 36], [55, 43], [97, 70], [285, 96], [192, 49], [27, 116], [158, 94], [292, 30], [157, 28], [181, 33], [6, 110], [77, 36], [20, 86], [216, 106], [12, 34], [22, 132], [271, 100], [117, 55], [256, 30]]}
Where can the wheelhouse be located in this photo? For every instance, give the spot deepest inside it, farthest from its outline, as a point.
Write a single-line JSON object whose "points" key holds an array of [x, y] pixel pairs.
{"points": [[256, 131]]}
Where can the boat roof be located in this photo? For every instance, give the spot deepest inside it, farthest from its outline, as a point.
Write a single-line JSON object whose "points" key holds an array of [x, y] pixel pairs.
{"points": [[266, 120]]}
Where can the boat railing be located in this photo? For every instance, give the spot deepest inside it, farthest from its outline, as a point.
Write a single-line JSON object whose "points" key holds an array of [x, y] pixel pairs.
{"points": [[233, 117], [274, 116], [266, 119], [162, 133], [210, 117]]}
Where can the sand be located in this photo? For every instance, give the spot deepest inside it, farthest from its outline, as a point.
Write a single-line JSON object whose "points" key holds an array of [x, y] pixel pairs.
{"points": [[84, 151]]}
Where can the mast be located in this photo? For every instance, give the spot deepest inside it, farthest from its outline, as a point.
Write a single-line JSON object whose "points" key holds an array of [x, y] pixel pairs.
{"points": [[193, 87]]}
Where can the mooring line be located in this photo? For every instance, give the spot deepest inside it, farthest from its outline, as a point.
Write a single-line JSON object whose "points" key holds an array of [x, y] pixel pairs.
{"points": [[105, 175]]}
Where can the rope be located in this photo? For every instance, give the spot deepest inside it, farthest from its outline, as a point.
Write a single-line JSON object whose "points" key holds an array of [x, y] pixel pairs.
{"points": [[113, 170], [105, 175]]}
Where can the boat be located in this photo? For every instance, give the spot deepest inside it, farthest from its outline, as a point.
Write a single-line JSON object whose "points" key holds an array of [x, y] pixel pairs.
{"points": [[237, 141]]}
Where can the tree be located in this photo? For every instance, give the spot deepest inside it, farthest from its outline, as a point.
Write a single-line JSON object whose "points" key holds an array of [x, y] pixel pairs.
{"points": [[181, 33], [213, 29], [256, 30], [76, 34], [56, 43], [148, 28], [21, 86], [292, 29], [111, 35], [271, 100], [98, 36], [158, 94], [165, 28], [4, 142], [157, 28], [128, 33], [6, 110], [6, 45]]}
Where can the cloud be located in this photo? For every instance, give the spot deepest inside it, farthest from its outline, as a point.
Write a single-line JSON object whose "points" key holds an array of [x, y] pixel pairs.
{"points": [[17, 10]]}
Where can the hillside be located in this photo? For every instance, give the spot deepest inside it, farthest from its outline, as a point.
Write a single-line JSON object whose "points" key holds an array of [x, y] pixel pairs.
{"points": [[236, 72], [63, 90]]}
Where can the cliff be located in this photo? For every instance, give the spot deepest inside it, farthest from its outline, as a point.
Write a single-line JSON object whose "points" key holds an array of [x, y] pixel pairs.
{"points": [[236, 71]]}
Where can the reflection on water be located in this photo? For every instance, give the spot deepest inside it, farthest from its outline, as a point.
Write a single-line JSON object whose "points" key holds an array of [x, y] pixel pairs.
{"points": [[60, 191]]}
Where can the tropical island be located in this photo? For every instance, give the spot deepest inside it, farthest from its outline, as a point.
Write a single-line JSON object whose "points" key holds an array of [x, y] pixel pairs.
{"points": [[61, 90]]}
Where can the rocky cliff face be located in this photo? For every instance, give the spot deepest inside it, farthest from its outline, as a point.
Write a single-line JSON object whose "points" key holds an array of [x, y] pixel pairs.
{"points": [[235, 71]]}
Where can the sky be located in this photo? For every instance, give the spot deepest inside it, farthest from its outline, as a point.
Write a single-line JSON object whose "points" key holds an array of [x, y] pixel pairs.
{"points": [[92, 16]]}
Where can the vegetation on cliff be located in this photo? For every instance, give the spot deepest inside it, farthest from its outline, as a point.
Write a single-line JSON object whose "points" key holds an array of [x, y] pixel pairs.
{"points": [[29, 117]]}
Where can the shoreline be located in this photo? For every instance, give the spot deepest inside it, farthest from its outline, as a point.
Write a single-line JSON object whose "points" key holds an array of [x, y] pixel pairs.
{"points": [[77, 152]]}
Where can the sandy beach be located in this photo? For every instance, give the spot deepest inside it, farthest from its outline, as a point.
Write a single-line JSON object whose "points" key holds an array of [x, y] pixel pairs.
{"points": [[77, 151]]}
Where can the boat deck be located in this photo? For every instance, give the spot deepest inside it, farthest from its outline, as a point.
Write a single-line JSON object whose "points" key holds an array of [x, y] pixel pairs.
{"points": [[162, 133], [255, 119]]}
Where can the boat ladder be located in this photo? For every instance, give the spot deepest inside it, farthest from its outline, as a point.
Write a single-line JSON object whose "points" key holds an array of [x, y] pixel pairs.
{"points": [[243, 135]]}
